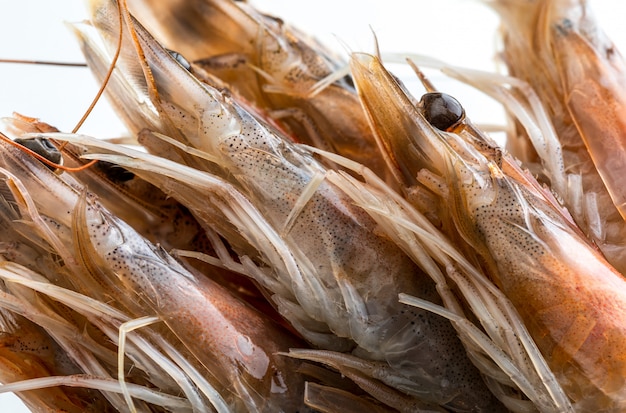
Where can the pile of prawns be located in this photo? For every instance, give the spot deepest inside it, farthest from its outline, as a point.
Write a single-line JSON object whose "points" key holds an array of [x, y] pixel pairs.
{"points": [[288, 233]]}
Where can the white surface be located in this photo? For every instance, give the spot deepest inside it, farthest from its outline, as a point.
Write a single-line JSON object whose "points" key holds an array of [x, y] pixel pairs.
{"points": [[461, 32]]}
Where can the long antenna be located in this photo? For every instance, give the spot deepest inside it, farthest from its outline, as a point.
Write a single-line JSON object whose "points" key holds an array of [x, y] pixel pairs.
{"points": [[87, 112], [109, 73], [43, 62]]}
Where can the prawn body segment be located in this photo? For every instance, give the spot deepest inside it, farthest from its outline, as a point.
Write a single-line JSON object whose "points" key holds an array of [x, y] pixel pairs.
{"points": [[570, 298], [217, 328]]}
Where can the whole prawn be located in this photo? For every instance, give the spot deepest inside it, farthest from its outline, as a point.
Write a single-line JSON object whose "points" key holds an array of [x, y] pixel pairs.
{"points": [[571, 299]]}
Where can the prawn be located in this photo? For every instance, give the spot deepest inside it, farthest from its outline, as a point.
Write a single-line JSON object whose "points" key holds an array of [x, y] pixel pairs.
{"points": [[219, 334], [339, 298], [34, 254], [571, 299], [159, 218], [26, 352], [580, 78], [285, 74]]}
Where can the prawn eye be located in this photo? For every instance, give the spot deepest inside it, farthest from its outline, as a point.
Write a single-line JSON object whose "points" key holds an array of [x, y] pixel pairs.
{"points": [[114, 172], [180, 59], [43, 147], [441, 110]]}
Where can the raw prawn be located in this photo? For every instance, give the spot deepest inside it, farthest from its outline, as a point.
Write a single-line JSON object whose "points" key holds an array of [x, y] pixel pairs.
{"points": [[153, 214], [285, 74], [580, 78], [571, 299], [222, 336], [26, 352]]}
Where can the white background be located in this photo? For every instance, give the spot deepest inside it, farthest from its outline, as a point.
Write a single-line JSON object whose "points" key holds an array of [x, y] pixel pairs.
{"points": [[461, 32]]}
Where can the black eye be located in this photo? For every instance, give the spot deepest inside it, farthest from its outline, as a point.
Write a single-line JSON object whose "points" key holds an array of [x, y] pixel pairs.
{"points": [[349, 81], [441, 110], [43, 147], [114, 172], [180, 59]]}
